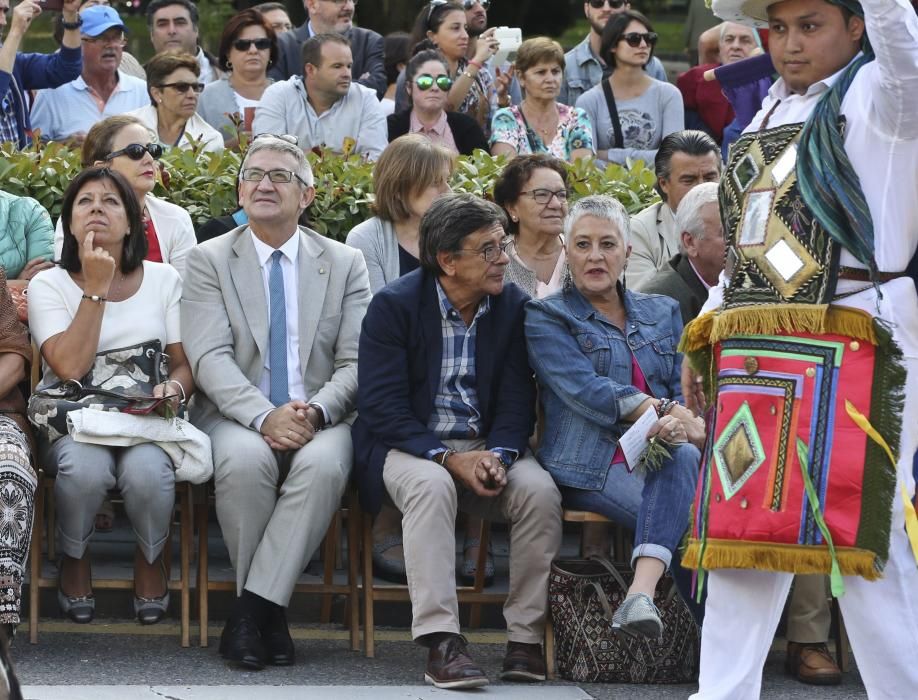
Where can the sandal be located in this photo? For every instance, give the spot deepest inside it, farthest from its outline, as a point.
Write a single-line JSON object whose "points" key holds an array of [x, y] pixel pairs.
{"points": [[470, 564], [387, 568], [79, 608], [149, 611]]}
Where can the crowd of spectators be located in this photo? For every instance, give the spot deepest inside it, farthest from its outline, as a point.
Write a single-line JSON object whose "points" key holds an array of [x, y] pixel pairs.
{"points": [[440, 296]]}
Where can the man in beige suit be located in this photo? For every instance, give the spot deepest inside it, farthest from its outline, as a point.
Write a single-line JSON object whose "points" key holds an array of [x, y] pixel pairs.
{"points": [[271, 317]]}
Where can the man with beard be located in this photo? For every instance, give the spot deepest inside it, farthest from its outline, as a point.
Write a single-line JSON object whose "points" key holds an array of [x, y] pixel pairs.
{"points": [[583, 68], [331, 17], [325, 108], [68, 111]]}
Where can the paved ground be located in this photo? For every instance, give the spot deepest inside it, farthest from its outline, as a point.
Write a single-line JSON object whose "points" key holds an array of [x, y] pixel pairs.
{"points": [[120, 660]]}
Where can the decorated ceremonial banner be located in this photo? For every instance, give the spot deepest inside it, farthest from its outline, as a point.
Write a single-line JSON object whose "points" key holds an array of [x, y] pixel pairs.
{"points": [[796, 474]]}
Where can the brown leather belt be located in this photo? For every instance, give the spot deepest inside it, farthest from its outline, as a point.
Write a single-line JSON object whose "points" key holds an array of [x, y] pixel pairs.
{"points": [[860, 275]]}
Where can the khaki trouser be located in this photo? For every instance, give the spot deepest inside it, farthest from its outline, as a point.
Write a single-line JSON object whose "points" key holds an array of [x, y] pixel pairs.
{"points": [[808, 614], [429, 500]]}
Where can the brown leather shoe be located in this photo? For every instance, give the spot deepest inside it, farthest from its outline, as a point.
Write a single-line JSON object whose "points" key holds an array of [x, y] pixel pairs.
{"points": [[523, 663], [450, 666], [812, 663]]}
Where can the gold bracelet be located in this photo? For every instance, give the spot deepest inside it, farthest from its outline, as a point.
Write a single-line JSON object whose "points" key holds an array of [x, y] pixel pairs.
{"points": [[468, 75]]}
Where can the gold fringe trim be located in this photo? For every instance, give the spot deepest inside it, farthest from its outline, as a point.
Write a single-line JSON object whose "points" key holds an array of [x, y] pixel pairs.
{"points": [[768, 556], [715, 326]]}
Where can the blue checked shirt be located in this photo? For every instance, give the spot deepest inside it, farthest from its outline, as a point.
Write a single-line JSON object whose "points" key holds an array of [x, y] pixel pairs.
{"points": [[456, 414]]}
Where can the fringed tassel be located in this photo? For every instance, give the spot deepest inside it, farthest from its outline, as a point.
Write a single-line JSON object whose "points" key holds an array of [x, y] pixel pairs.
{"points": [[767, 556], [697, 333], [769, 319]]}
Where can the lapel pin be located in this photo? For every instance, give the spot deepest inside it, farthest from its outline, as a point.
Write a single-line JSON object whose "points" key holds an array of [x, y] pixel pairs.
{"points": [[321, 270]]}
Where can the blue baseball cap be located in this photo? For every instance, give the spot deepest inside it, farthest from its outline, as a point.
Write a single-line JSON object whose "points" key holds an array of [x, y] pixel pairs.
{"points": [[99, 18]]}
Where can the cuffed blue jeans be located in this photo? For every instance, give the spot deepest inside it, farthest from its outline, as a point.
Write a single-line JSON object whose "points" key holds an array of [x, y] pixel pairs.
{"points": [[655, 505]]}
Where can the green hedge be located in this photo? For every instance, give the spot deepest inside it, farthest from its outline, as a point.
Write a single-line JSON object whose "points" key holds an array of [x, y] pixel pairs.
{"points": [[205, 183]]}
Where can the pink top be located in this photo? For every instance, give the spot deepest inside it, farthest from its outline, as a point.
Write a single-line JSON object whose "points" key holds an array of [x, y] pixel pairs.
{"points": [[439, 133], [640, 383]]}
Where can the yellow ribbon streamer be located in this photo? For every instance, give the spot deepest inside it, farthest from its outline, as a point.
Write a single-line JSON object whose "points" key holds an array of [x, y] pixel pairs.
{"points": [[911, 518]]}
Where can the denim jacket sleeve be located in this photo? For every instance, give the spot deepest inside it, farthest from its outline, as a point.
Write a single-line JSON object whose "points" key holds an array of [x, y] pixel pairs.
{"points": [[561, 364]]}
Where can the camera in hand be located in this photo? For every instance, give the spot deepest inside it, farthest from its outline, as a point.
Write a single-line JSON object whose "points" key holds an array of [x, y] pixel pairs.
{"points": [[509, 39]]}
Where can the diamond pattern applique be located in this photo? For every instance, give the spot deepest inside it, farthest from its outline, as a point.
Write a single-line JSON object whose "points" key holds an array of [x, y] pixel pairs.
{"points": [[755, 218], [784, 166], [738, 452], [784, 260], [746, 172]]}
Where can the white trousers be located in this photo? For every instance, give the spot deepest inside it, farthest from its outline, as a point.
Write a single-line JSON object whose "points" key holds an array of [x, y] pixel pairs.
{"points": [[743, 608]]}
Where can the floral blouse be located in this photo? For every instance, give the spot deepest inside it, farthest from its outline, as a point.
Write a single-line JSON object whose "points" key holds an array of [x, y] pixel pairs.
{"points": [[477, 102], [574, 131]]}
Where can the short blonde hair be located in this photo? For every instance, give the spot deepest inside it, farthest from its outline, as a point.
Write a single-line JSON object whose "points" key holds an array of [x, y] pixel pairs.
{"points": [[408, 166], [538, 50]]}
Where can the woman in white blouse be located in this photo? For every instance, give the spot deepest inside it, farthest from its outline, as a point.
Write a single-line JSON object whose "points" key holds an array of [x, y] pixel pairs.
{"points": [[174, 86], [104, 296], [128, 147]]}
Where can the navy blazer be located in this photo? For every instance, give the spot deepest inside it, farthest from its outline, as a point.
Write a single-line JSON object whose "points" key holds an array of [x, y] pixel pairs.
{"points": [[398, 372]]}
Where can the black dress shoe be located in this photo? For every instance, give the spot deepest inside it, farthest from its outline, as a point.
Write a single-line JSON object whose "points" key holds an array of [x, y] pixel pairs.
{"points": [[276, 637], [242, 644]]}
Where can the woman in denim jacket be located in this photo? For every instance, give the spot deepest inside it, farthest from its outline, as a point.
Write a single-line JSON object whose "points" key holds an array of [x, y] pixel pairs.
{"points": [[603, 357]]}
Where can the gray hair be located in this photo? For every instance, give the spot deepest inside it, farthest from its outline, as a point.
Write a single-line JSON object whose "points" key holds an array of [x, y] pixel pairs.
{"points": [[688, 215], [604, 208], [270, 142], [451, 218]]}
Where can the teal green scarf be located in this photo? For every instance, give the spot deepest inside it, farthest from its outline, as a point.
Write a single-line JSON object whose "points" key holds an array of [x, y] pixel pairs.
{"points": [[828, 183]]}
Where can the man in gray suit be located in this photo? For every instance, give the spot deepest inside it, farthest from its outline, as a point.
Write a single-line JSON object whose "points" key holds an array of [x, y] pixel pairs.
{"points": [[271, 317]]}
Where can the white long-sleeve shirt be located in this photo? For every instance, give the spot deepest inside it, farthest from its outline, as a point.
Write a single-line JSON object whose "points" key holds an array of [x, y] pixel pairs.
{"points": [[881, 140]]}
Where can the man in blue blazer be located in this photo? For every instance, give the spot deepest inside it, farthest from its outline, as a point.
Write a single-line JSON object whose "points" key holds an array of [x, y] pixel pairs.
{"points": [[445, 412]]}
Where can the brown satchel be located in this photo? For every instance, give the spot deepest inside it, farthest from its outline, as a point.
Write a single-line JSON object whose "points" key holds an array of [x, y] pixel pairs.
{"points": [[583, 594]]}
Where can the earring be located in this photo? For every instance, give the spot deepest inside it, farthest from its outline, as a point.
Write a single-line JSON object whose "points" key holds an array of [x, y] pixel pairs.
{"points": [[514, 219], [229, 65]]}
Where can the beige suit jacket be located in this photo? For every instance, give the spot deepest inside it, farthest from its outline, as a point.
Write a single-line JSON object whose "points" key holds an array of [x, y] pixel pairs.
{"points": [[654, 241], [225, 325]]}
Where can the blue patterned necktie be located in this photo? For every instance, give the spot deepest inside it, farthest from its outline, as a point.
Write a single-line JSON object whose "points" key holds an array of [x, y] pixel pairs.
{"points": [[277, 333]]}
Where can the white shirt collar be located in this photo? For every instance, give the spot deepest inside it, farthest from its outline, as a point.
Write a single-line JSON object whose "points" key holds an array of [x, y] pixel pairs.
{"points": [[289, 249], [780, 91]]}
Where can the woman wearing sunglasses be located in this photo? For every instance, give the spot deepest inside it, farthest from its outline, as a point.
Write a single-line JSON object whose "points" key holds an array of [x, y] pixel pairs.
{"points": [[442, 25], [248, 48], [174, 87], [427, 77], [540, 124], [125, 144], [631, 112]]}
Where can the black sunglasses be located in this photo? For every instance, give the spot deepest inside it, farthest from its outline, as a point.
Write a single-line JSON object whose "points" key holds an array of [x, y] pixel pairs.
{"points": [[135, 151], [426, 81], [485, 4], [262, 44], [634, 39], [614, 4], [183, 87]]}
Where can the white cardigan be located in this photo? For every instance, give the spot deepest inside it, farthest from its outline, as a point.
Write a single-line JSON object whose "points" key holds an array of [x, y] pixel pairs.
{"points": [[195, 127], [174, 230]]}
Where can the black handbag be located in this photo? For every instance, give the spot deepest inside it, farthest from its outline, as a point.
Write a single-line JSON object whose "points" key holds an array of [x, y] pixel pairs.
{"points": [[583, 595], [120, 380]]}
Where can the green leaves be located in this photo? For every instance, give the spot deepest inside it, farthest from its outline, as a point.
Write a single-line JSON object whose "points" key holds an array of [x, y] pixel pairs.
{"points": [[204, 183]]}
